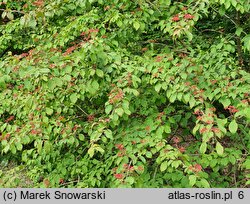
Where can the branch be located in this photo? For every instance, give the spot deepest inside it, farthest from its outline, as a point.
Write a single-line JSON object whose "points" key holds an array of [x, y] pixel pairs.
{"points": [[14, 11], [229, 19]]}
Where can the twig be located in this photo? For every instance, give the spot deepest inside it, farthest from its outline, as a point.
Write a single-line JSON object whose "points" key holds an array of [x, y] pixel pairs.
{"points": [[70, 182], [155, 172], [153, 5], [82, 110], [229, 19], [212, 30], [235, 181], [14, 11]]}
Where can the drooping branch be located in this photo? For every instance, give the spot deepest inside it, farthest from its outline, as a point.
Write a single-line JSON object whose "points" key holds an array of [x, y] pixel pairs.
{"points": [[13, 11]]}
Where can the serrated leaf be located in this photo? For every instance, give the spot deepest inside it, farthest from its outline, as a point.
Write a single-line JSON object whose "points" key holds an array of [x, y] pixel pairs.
{"points": [[163, 166], [192, 179], [219, 149], [233, 126]]}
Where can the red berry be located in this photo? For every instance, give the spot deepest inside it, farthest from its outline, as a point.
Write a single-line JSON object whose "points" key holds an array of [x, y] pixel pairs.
{"points": [[118, 176], [188, 16], [176, 18]]}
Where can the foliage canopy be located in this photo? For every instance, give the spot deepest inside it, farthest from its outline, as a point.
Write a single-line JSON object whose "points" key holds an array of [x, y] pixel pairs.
{"points": [[119, 93]]}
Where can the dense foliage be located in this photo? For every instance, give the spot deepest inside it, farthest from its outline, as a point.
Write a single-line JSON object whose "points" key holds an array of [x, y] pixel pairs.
{"points": [[119, 93]]}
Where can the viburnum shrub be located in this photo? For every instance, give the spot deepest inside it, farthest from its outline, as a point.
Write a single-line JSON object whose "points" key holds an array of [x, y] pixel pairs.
{"points": [[122, 93]]}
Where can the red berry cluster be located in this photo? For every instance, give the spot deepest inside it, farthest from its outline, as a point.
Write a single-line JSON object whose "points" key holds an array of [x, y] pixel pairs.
{"points": [[231, 109], [187, 16], [118, 176], [122, 150], [90, 118], [176, 18], [115, 95], [196, 168], [176, 140]]}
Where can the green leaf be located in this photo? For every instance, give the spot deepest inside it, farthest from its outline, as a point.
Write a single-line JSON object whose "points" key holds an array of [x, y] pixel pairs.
{"points": [[108, 134], [204, 183], [203, 147], [13, 149], [163, 166], [186, 97], [108, 109], [192, 180], [57, 81], [172, 98], [19, 146], [167, 128], [233, 126], [68, 69], [225, 102], [91, 151], [227, 4], [4, 14], [239, 31], [158, 87], [81, 137], [98, 148], [119, 111], [73, 98], [49, 111], [246, 41], [130, 180], [10, 16], [95, 85], [232, 159], [149, 154], [219, 149], [32, 23], [136, 25], [99, 73], [192, 102], [234, 3]]}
